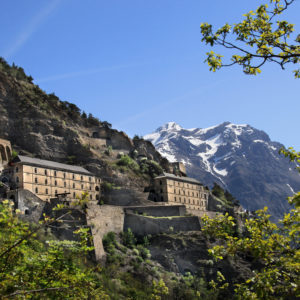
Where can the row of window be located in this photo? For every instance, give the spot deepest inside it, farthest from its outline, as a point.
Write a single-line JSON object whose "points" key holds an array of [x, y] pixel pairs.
{"points": [[74, 194], [55, 173], [195, 202], [65, 184], [182, 184]]}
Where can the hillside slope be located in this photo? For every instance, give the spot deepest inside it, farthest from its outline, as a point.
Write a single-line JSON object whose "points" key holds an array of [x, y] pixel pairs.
{"points": [[43, 126], [240, 158]]}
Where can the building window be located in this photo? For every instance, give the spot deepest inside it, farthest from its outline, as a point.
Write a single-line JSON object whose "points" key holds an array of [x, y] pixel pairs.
{"points": [[90, 188], [35, 180], [45, 172], [46, 191], [46, 181], [36, 190], [74, 195], [161, 190], [73, 176], [174, 191], [55, 173], [64, 175], [55, 182], [17, 169], [73, 185], [55, 192], [17, 179], [35, 170], [160, 182], [82, 186], [91, 197], [65, 184], [81, 178], [90, 178], [97, 197], [175, 199], [97, 188]]}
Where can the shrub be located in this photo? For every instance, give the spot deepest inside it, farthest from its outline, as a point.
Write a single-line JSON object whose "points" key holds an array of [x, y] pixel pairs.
{"points": [[128, 238], [127, 161]]}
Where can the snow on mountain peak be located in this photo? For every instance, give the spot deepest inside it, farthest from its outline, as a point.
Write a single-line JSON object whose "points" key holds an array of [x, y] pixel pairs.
{"points": [[170, 126]]}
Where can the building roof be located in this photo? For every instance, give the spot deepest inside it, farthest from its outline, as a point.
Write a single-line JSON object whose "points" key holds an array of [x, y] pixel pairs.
{"points": [[50, 164], [179, 178]]}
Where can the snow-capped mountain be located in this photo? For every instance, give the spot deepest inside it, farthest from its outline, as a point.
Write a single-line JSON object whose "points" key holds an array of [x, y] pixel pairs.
{"points": [[239, 157]]}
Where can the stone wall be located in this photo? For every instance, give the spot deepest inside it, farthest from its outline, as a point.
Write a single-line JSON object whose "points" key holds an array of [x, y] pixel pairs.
{"points": [[142, 226], [28, 203], [199, 213], [103, 219], [157, 211]]}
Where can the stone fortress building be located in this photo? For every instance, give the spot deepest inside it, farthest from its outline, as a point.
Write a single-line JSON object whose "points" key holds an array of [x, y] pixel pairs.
{"points": [[48, 179], [177, 190]]}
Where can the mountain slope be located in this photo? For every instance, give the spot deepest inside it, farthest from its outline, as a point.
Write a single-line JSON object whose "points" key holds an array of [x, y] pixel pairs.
{"points": [[239, 157], [43, 126]]}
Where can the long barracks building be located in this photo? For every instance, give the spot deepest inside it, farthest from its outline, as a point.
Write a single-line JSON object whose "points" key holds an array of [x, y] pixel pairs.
{"points": [[47, 179], [181, 190]]}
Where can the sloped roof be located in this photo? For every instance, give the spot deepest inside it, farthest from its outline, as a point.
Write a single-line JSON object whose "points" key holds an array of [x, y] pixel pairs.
{"points": [[178, 178], [51, 164]]}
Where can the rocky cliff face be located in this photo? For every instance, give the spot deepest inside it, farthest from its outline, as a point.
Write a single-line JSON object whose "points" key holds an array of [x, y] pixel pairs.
{"points": [[41, 125], [240, 158]]}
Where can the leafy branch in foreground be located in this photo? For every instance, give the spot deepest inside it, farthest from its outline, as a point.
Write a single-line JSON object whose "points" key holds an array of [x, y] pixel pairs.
{"points": [[273, 249], [257, 39], [32, 269]]}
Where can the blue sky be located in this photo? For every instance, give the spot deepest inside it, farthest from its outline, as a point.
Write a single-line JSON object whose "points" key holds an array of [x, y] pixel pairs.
{"points": [[139, 64]]}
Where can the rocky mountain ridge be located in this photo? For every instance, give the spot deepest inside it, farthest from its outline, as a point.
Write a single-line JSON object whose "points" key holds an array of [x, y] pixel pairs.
{"points": [[41, 125], [240, 158]]}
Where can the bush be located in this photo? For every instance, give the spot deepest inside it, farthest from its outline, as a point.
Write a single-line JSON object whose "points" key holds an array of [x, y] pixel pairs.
{"points": [[109, 241], [144, 252], [127, 161], [128, 238]]}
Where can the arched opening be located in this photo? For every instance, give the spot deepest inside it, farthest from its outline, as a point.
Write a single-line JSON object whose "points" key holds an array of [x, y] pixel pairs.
{"points": [[97, 188], [3, 154], [8, 152]]}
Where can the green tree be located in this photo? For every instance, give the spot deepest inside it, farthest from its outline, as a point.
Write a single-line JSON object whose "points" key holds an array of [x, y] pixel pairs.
{"points": [[32, 269], [273, 249], [259, 38]]}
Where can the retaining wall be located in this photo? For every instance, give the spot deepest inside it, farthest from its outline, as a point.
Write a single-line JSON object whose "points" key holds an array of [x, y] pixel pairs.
{"points": [[157, 210], [142, 226]]}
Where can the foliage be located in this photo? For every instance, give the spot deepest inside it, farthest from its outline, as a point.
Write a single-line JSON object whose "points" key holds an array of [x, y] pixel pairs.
{"points": [[273, 249], [261, 37], [33, 270], [159, 289], [151, 167], [128, 238], [14, 71], [227, 199], [14, 154], [108, 151], [127, 161]]}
